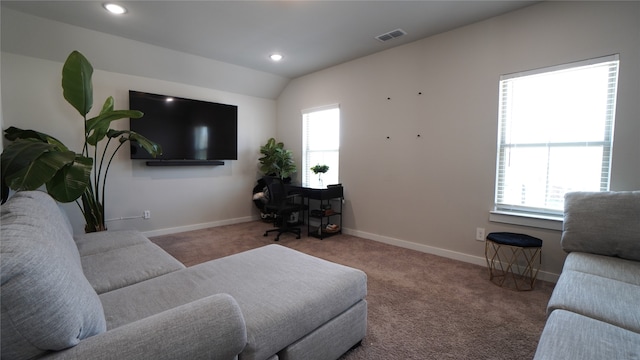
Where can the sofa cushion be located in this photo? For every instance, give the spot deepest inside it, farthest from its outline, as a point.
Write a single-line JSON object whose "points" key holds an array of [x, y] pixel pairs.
{"points": [[47, 303], [606, 266], [207, 329], [283, 294], [114, 259], [611, 301], [604, 223], [98, 242], [570, 336]]}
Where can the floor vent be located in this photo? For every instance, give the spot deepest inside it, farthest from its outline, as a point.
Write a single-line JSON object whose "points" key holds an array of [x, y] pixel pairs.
{"points": [[391, 35]]}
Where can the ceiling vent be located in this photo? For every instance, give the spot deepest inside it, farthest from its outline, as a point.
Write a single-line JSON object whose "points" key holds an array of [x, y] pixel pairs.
{"points": [[391, 35]]}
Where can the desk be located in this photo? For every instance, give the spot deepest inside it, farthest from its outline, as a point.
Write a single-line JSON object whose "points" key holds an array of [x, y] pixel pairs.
{"points": [[324, 212]]}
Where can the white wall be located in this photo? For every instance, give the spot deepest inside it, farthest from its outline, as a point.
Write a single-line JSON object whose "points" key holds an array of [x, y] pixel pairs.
{"points": [[179, 198], [431, 192]]}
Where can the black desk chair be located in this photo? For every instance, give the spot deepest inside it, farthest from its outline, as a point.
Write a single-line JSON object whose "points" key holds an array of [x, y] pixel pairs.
{"points": [[281, 205]]}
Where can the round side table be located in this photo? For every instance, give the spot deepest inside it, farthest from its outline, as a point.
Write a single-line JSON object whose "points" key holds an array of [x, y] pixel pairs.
{"points": [[513, 256]]}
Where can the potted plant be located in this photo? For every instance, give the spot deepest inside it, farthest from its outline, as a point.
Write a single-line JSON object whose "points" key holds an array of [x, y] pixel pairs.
{"points": [[319, 170], [34, 159], [276, 160]]}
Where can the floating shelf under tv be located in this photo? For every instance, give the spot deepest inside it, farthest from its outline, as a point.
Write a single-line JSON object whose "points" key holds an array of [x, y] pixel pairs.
{"points": [[184, 162]]}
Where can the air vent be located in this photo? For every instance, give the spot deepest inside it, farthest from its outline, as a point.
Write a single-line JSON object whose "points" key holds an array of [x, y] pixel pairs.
{"points": [[391, 35]]}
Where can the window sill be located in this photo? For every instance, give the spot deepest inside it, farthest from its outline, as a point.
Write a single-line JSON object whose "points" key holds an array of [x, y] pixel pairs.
{"points": [[526, 219]]}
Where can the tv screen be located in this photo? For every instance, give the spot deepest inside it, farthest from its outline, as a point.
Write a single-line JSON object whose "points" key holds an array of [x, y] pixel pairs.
{"points": [[187, 130]]}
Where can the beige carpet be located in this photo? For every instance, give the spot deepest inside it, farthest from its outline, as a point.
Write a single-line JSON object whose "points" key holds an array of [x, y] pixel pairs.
{"points": [[421, 306]]}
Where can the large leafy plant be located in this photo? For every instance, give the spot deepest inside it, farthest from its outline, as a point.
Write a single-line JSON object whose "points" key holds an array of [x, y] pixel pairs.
{"points": [[34, 159], [276, 160]]}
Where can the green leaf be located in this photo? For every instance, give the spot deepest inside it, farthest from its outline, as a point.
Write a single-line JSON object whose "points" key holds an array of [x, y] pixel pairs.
{"points": [[14, 133], [70, 182], [151, 147], [40, 171], [27, 164], [19, 155], [76, 82], [108, 105], [276, 160], [98, 126]]}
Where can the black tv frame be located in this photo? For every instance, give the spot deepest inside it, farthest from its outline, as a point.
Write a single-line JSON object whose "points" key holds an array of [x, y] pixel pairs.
{"points": [[182, 161]]}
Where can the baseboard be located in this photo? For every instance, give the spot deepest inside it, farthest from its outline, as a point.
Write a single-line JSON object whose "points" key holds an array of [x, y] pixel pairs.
{"points": [[472, 259], [179, 229]]}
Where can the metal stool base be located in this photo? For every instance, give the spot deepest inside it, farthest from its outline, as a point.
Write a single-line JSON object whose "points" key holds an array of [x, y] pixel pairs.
{"points": [[512, 262]]}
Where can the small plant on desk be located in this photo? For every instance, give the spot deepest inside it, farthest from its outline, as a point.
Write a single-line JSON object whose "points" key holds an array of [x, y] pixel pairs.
{"points": [[319, 170]]}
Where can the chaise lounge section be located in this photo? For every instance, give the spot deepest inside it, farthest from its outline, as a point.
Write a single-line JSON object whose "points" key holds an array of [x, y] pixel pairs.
{"points": [[116, 295]]}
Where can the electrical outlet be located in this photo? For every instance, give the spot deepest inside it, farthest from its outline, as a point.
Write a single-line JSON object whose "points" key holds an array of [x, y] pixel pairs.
{"points": [[480, 234], [146, 214]]}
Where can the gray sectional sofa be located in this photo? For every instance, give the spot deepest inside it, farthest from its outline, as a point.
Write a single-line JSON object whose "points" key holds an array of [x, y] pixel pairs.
{"points": [[594, 311], [116, 295]]}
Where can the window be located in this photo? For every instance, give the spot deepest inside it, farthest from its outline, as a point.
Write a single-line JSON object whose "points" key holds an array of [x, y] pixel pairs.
{"points": [[320, 145], [555, 134]]}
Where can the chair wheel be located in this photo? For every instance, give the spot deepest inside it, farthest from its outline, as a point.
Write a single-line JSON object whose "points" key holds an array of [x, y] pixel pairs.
{"points": [[265, 234], [298, 237]]}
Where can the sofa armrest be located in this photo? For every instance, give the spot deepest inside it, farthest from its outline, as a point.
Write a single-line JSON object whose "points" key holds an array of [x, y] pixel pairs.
{"points": [[210, 328], [603, 223]]}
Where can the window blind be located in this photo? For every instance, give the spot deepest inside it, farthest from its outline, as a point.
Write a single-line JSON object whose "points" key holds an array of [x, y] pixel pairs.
{"points": [[555, 134], [321, 144]]}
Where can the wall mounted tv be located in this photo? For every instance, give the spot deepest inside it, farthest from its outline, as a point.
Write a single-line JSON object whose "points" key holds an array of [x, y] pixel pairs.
{"points": [[191, 132]]}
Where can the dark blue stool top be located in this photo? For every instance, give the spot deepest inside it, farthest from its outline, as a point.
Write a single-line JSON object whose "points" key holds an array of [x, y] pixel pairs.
{"points": [[514, 239]]}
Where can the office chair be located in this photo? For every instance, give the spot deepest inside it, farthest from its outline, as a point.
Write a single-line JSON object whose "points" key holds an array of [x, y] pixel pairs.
{"points": [[281, 206]]}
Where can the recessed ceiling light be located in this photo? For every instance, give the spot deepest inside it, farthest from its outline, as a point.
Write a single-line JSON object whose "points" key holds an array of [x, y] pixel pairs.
{"points": [[275, 57], [114, 8]]}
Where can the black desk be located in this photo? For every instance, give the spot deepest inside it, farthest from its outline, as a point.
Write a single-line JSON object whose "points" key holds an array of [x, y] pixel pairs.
{"points": [[322, 210]]}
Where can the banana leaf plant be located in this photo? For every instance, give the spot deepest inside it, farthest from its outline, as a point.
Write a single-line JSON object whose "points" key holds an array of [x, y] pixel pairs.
{"points": [[34, 159]]}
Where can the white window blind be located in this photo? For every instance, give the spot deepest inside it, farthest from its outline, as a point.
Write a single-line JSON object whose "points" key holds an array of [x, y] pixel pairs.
{"points": [[321, 145], [555, 134]]}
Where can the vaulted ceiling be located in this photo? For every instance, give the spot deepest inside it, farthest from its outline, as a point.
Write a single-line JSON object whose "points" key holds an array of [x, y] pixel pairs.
{"points": [[311, 35]]}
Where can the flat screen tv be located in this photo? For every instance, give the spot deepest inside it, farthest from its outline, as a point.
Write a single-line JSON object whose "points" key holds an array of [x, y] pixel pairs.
{"points": [[190, 132]]}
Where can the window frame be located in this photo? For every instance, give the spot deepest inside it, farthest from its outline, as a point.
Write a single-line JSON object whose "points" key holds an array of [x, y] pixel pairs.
{"points": [[547, 217], [307, 174]]}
